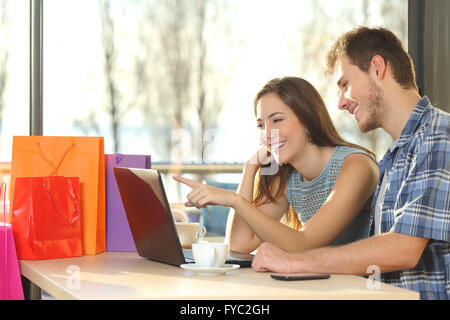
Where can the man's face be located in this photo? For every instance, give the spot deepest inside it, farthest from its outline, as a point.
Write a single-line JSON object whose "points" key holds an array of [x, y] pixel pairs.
{"points": [[359, 95]]}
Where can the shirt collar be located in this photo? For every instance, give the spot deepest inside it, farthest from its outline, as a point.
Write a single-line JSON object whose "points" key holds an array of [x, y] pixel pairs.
{"points": [[413, 121]]}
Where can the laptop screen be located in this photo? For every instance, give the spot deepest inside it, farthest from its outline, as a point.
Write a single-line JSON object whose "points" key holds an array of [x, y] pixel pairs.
{"points": [[148, 214]]}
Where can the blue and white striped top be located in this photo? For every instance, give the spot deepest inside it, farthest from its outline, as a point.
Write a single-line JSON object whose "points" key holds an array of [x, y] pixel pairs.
{"points": [[306, 197]]}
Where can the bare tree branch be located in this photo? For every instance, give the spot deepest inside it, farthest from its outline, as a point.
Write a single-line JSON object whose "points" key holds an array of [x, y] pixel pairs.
{"points": [[316, 37], [116, 107], [4, 56]]}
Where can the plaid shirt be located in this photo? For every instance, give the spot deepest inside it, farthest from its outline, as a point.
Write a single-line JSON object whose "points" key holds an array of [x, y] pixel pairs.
{"points": [[417, 199]]}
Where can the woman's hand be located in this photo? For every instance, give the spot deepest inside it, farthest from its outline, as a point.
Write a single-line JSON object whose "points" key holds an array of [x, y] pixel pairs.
{"points": [[202, 195], [261, 157]]}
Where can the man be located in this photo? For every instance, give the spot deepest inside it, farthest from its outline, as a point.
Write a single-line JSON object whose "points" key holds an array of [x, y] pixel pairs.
{"points": [[410, 242]]}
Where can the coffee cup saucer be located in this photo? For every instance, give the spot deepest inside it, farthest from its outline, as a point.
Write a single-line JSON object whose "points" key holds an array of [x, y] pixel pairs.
{"points": [[209, 271]]}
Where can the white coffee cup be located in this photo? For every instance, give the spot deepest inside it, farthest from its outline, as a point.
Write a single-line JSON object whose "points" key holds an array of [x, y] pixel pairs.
{"points": [[189, 232], [210, 254]]}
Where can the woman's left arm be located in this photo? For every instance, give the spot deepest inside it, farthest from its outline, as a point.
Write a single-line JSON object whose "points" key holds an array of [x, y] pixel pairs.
{"points": [[354, 187]]}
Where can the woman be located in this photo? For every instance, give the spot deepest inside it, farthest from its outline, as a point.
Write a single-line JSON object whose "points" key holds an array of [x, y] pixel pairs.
{"points": [[303, 166]]}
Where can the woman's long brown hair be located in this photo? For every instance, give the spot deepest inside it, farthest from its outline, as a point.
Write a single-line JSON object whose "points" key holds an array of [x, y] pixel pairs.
{"points": [[309, 107]]}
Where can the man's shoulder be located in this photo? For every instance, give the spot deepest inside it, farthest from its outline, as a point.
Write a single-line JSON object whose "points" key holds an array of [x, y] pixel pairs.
{"points": [[435, 126], [431, 138], [438, 121]]}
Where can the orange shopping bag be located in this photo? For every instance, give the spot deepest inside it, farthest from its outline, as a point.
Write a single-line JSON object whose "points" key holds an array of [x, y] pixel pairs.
{"points": [[83, 157]]}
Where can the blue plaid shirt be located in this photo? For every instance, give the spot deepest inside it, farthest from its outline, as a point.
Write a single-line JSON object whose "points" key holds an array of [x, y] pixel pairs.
{"points": [[417, 199]]}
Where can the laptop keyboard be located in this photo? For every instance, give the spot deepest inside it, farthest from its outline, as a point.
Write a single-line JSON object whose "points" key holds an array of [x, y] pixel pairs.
{"points": [[188, 256], [235, 258]]}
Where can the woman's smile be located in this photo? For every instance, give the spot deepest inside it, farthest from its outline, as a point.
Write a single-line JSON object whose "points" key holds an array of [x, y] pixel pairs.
{"points": [[275, 148]]}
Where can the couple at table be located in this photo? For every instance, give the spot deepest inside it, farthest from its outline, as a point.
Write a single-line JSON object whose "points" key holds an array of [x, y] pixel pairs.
{"points": [[347, 213]]}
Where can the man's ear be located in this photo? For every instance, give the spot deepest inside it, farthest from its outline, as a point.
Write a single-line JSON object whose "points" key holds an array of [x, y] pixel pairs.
{"points": [[378, 66]]}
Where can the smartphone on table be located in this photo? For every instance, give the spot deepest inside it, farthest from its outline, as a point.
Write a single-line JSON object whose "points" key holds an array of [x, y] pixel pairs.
{"points": [[299, 276]]}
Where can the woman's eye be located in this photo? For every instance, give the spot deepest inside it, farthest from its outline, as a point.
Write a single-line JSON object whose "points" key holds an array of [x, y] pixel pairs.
{"points": [[277, 120], [259, 126]]}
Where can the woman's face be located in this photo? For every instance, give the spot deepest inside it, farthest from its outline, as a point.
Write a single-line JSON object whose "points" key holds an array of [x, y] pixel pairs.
{"points": [[280, 130]]}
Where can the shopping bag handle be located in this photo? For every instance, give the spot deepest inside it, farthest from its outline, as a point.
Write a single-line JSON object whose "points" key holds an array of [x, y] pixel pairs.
{"points": [[54, 172], [119, 157], [56, 212], [4, 201]]}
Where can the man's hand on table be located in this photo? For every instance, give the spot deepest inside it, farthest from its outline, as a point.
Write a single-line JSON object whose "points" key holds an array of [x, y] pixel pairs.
{"points": [[271, 258]]}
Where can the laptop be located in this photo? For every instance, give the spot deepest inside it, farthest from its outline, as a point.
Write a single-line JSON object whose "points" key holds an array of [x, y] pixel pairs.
{"points": [[151, 222]]}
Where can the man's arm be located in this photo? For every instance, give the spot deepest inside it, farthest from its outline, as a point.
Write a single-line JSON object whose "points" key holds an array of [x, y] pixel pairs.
{"points": [[389, 251]]}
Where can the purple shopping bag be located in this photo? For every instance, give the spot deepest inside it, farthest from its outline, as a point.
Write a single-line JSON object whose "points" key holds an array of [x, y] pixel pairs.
{"points": [[10, 283], [118, 234]]}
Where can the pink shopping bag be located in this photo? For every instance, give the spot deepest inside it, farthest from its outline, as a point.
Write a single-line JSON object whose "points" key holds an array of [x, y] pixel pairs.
{"points": [[10, 283]]}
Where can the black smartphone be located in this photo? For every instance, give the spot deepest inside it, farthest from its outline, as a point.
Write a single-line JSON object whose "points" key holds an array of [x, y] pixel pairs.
{"points": [[299, 276]]}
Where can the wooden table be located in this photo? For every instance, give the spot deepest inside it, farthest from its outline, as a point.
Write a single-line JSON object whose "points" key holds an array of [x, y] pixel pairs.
{"points": [[116, 275]]}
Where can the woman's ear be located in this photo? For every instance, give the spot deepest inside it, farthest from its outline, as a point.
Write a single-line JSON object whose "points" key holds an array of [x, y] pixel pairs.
{"points": [[309, 137]]}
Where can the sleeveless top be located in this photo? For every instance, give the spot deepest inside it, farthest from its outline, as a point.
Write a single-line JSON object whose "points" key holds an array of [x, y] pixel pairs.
{"points": [[306, 197]]}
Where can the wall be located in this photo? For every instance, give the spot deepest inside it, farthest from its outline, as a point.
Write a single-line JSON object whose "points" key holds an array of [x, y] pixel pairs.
{"points": [[429, 46]]}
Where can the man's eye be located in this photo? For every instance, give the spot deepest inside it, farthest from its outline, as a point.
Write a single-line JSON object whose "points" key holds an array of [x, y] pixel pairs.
{"points": [[259, 126], [342, 89]]}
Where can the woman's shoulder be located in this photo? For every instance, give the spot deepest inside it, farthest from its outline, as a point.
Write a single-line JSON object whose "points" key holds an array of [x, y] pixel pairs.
{"points": [[344, 152], [359, 164]]}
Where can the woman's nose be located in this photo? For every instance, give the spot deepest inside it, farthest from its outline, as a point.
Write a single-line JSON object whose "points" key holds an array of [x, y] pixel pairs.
{"points": [[269, 136], [263, 136]]}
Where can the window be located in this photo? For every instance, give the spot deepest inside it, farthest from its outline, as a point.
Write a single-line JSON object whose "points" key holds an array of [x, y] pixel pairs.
{"points": [[176, 79], [14, 81]]}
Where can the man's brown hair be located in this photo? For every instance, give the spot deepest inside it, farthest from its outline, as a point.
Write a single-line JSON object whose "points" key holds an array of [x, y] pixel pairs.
{"points": [[361, 44]]}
